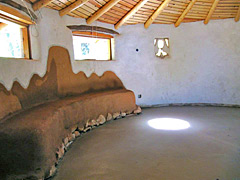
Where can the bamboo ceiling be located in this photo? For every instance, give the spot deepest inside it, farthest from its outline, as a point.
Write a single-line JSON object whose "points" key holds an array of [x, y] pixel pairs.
{"points": [[125, 12]]}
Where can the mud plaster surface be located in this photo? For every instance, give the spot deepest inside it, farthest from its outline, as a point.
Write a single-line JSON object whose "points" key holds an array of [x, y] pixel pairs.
{"points": [[35, 120]]}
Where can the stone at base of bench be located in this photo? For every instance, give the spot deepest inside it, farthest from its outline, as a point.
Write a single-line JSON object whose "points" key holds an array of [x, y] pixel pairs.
{"points": [[29, 139], [78, 131]]}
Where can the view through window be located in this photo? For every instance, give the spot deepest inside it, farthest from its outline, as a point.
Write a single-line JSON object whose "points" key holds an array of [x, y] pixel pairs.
{"points": [[91, 48], [11, 43]]}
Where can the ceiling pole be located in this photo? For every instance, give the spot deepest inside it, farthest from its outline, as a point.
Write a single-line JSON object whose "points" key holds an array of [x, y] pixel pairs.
{"points": [[41, 3], [130, 13], [181, 18], [238, 15], [156, 13], [72, 7], [214, 5], [101, 11]]}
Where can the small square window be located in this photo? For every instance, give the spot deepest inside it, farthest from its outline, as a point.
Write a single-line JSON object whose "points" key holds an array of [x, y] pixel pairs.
{"points": [[92, 48]]}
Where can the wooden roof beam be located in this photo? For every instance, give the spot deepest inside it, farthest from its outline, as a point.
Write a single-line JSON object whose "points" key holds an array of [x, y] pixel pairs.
{"points": [[181, 18], [41, 3], [130, 13], [156, 13], [101, 11], [214, 5], [72, 7], [238, 15]]}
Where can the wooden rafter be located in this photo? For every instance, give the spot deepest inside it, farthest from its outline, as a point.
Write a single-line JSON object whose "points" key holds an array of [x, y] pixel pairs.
{"points": [[156, 13], [28, 1], [181, 18], [238, 15], [130, 13], [41, 3], [101, 11], [170, 14], [72, 7], [214, 5]]}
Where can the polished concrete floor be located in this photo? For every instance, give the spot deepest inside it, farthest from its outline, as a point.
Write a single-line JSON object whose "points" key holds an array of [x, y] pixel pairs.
{"points": [[129, 149]]}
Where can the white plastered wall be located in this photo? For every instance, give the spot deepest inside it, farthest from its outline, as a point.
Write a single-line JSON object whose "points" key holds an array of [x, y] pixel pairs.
{"points": [[203, 66]]}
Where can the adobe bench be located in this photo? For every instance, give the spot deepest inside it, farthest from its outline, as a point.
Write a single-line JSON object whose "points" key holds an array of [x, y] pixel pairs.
{"points": [[37, 124]]}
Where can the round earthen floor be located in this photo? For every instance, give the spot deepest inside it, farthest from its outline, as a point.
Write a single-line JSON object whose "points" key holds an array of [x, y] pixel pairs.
{"points": [[131, 149]]}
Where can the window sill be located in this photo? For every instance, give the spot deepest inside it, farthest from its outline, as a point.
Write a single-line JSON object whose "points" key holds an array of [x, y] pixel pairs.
{"points": [[18, 59], [94, 60]]}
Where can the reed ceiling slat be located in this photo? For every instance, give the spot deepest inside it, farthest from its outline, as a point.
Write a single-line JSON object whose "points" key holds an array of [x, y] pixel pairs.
{"points": [[170, 14]]}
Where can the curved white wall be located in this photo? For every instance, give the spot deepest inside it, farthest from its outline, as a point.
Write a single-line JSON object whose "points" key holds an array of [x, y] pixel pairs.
{"points": [[203, 66]]}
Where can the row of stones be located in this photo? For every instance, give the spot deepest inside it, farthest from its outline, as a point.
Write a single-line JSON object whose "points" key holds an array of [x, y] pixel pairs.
{"points": [[77, 131]]}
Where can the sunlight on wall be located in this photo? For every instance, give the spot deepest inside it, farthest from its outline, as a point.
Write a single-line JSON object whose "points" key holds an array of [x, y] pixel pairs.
{"points": [[168, 124]]}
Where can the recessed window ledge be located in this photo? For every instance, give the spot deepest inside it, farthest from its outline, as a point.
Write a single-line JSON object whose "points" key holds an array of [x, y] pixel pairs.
{"points": [[17, 59], [94, 60]]}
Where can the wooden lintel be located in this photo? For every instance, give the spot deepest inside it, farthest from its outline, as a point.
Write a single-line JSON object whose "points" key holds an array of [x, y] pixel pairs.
{"points": [[72, 7], [40, 3], [214, 5], [10, 13], [92, 29], [130, 13], [92, 34], [101, 11], [156, 13], [181, 18], [238, 15], [19, 7]]}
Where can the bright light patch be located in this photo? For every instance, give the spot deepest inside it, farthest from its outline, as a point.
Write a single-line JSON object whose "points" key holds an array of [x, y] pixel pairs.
{"points": [[168, 124]]}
